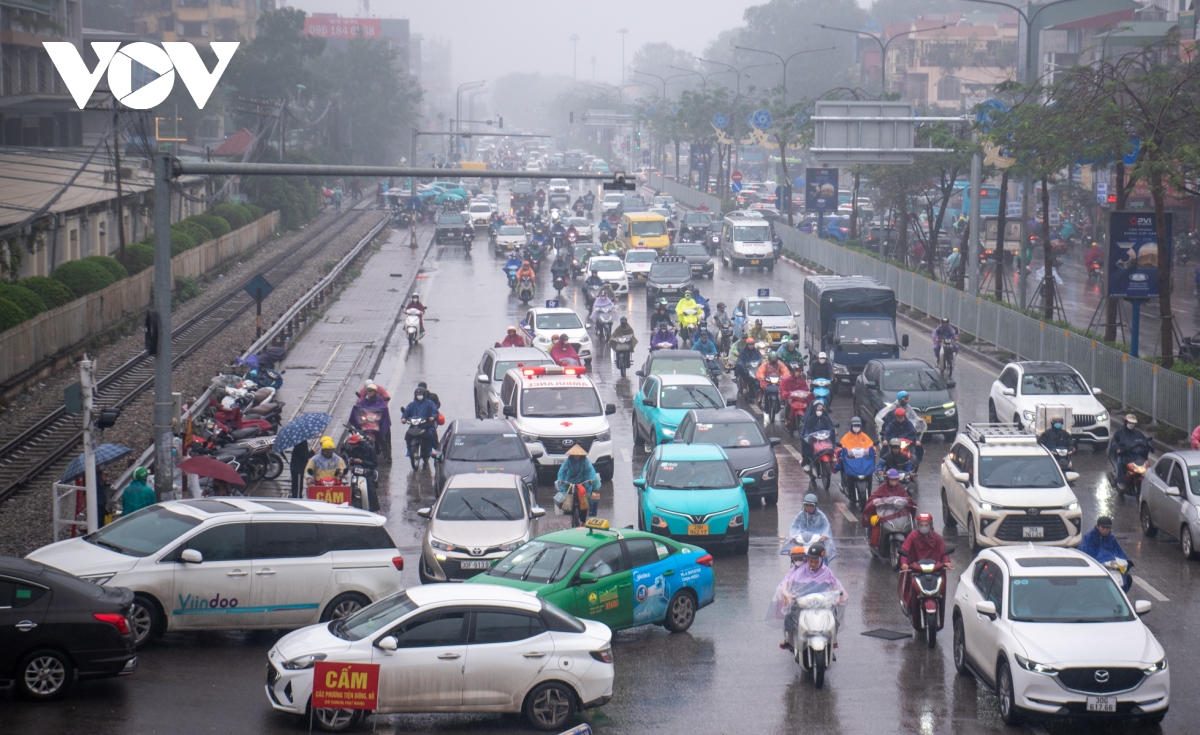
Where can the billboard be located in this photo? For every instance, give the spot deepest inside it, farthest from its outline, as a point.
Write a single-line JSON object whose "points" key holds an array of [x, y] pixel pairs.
{"points": [[1133, 254], [335, 27], [821, 190]]}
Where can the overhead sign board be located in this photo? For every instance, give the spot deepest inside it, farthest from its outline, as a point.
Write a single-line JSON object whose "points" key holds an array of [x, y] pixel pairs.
{"points": [[1133, 254], [863, 132]]}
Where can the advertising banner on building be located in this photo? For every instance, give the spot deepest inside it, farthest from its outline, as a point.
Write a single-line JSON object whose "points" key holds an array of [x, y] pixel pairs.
{"points": [[821, 191], [1133, 255], [335, 27]]}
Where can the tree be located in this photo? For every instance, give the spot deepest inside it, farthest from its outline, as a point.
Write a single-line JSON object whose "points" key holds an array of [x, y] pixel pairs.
{"points": [[378, 102], [279, 58], [790, 127]]}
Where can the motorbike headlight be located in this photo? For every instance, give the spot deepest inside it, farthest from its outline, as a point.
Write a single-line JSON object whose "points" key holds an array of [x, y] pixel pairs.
{"points": [[1073, 505], [1035, 667], [1157, 667], [1029, 416], [1102, 417], [441, 545], [303, 662], [604, 436]]}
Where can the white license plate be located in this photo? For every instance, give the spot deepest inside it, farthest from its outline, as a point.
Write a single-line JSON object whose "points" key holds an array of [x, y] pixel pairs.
{"points": [[483, 564], [1033, 532], [1101, 704]]}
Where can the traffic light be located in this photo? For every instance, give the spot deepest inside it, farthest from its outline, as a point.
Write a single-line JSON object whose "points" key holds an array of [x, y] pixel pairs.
{"points": [[106, 418], [639, 140]]}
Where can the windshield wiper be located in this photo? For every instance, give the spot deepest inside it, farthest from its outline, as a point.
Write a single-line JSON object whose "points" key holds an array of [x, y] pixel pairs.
{"points": [[554, 575], [499, 508], [533, 562], [107, 545], [472, 509], [696, 396]]}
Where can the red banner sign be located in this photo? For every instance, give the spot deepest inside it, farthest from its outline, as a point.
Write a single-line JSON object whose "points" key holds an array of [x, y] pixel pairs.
{"points": [[336, 494], [331, 27], [345, 686]]}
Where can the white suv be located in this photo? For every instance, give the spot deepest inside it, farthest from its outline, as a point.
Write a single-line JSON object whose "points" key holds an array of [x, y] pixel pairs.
{"points": [[559, 186], [237, 563], [542, 327], [1052, 633], [1022, 386], [1007, 489], [556, 408]]}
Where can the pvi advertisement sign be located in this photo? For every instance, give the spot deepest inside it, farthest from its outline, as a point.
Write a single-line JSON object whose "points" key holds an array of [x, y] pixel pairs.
{"points": [[1134, 255]]}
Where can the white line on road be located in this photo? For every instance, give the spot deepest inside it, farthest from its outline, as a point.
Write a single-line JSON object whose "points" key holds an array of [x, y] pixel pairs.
{"points": [[846, 512], [754, 407], [1153, 592], [625, 454], [1038, 730], [792, 451]]}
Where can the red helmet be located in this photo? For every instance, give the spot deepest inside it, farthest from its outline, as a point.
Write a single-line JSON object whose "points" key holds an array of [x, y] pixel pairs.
{"points": [[354, 438], [925, 518], [901, 413]]}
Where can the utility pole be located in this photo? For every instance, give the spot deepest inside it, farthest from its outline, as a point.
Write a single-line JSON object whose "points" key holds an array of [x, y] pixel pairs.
{"points": [[574, 39], [974, 245], [86, 367], [120, 198], [162, 304], [624, 32]]}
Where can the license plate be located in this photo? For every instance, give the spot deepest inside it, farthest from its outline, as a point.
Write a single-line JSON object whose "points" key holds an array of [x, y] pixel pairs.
{"points": [[697, 529], [1101, 704], [641, 276], [1033, 532], [482, 564], [754, 262], [559, 460], [927, 418]]}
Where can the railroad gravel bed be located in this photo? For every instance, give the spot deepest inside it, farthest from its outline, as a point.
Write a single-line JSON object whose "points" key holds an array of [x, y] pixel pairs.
{"points": [[26, 518]]}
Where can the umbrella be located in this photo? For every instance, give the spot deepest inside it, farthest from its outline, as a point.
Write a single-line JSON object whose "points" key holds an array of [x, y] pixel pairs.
{"points": [[301, 429], [105, 453], [209, 467]]}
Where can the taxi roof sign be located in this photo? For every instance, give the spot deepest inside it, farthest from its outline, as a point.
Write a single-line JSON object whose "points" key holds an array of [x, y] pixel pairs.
{"points": [[531, 372], [598, 523]]}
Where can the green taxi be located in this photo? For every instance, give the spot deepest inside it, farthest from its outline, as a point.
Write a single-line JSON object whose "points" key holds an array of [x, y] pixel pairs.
{"points": [[622, 578]]}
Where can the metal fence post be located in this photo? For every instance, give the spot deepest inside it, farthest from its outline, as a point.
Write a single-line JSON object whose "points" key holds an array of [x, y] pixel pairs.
{"points": [[1124, 375], [1041, 340], [1093, 363], [997, 340], [1191, 423], [978, 316], [1154, 397], [1067, 346]]}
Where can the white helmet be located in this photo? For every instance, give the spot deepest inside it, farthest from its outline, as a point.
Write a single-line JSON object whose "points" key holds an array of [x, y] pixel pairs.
{"points": [[228, 403], [822, 356]]}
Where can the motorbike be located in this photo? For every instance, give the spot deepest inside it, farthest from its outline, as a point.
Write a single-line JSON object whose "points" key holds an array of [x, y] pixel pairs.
{"points": [[893, 521], [713, 241], [797, 404], [526, 289], [604, 323], [816, 632], [559, 284], [1094, 272], [412, 325], [511, 272], [578, 209], [418, 431], [821, 466], [1127, 469], [1062, 455], [713, 367], [362, 488], [623, 352], [687, 325], [748, 383], [726, 338], [858, 465], [770, 398], [1118, 569], [468, 238], [926, 580], [591, 293], [821, 389], [946, 358]]}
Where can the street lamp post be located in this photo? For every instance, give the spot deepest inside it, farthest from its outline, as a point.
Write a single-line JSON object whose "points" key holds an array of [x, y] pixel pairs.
{"points": [[703, 77], [458, 106], [733, 153], [574, 39], [624, 32], [882, 46], [784, 61]]}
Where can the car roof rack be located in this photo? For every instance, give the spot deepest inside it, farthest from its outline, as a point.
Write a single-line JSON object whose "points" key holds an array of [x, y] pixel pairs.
{"points": [[999, 434], [672, 259]]}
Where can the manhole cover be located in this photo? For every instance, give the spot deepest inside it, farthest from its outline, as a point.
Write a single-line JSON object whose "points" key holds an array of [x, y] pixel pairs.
{"points": [[887, 635]]}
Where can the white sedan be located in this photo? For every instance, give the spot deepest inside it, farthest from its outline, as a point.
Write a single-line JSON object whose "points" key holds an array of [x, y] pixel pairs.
{"points": [[1051, 632], [612, 271], [454, 648]]}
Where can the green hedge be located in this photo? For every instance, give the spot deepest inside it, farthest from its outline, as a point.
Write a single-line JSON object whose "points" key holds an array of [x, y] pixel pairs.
{"points": [[181, 241], [195, 230], [30, 302], [10, 314], [215, 225], [52, 292], [256, 212], [83, 276], [138, 257], [234, 214], [114, 268]]}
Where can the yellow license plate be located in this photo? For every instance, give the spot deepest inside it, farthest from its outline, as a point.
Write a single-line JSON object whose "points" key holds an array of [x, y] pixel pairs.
{"points": [[697, 529], [754, 262], [775, 336], [927, 418]]}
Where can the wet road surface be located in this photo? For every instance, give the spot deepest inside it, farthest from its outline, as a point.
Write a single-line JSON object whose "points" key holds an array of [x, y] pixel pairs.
{"points": [[726, 675]]}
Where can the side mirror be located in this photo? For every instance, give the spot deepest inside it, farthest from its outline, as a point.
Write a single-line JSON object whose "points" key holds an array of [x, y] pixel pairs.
{"points": [[483, 378], [1007, 392], [986, 607], [387, 643], [951, 383], [640, 374], [962, 477], [1073, 477], [1095, 391], [747, 481], [537, 511], [587, 577], [510, 412], [424, 512], [1141, 607], [1170, 491], [191, 556], [949, 550], [609, 409], [904, 341], [775, 441], [647, 401], [797, 313], [870, 384], [639, 482], [537, 454]]}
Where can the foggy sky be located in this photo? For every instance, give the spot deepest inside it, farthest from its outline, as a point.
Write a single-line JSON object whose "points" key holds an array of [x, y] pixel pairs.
{"points": [[491, 38]]}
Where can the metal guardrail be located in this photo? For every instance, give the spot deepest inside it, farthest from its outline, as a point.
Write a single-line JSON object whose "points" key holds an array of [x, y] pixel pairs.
{"points": [[1167, 397]]}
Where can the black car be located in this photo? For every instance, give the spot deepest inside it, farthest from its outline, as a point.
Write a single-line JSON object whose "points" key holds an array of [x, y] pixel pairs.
{"points": [[750, 452], [697, 257], [928, 395], [56, 628], [695, 227], [669, 277], [672, 362], [488, 445], [450, 228]]}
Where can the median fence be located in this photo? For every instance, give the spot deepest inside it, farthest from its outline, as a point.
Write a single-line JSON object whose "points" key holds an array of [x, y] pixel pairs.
{"points": [[1165, 396]]}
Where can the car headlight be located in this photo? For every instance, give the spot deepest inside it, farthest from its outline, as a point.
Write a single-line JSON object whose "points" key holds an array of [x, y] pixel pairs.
{"points": [[769, 475], [1102, 417], [511, 545], [303, 662], [738, 520], [1155, 668], [950, 411], [840, 369], [987, 507], [543, 339], [792, 326], [100, 579], [586, 340], [1071, 506], [604, 436], [657, 522], [1029, 416], [668, 432], [1035, 667]]}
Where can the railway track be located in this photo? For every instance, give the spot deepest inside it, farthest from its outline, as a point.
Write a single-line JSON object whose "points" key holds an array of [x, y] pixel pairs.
{"points": [[55, 435]]}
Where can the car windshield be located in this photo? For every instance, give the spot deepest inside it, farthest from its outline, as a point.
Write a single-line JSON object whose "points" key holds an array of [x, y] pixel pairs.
{"points": [[697, 219], [687, 366], [911, 379], [487, 447], [522, 186], [708, 475], [562, 320], [738, 434], [617, 198], [768, 308], [559, 182], [751, 233], [671, 271], [865, 332], [691, 250], [649, 228], [144, 532], [605, 265], [1005, 473], [554, 402], [540, 562], [372, 618], [641, 256], [481, 209], [578, 222], [691, 396], [480, 504], [503, 366], [512, 230], [450, 219], [1052, 384], [1067, 600]]}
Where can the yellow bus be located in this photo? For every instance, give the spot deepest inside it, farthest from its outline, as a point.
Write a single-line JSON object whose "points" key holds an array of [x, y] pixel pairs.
{"points": [[640, 229]]}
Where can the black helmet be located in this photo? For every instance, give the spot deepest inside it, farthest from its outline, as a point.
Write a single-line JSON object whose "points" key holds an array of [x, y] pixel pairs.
{"points": [[817, 550], [624, 320]]}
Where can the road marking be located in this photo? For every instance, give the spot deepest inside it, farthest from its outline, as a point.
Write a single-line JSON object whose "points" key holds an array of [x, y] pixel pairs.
{"points": [[846, 512], [1153, 592], [792, 451], [625, 454], [1038, 730], [754, 407]]}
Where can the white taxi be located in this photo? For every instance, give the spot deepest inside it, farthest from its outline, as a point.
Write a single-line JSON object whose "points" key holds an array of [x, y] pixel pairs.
{"points": [[611, 270], [543, 325], [638, 262], [237, 563], [556, 408]]}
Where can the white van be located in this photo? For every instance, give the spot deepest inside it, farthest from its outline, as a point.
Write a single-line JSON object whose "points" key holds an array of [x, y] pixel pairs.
{"points": [[746, 241]]}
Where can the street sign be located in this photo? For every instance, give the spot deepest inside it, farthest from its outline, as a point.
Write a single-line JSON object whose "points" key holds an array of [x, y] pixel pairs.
{"points": [[736, 176], [551, 303], [798, 182], [736, 187], [764, 293], [1014, 208], [1133, 254], [1101, 192], [864, 132], [345, 686], [821, 192], [259, 288]]}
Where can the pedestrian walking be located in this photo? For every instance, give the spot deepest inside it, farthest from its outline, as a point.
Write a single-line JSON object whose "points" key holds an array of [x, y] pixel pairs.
{"points": [[337, 199], [301, 453]]}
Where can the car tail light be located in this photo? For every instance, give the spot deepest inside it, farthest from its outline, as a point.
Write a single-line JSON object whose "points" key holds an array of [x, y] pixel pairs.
{"points": [[605, 656], [705, 560], [398, 562], [116, 620]]}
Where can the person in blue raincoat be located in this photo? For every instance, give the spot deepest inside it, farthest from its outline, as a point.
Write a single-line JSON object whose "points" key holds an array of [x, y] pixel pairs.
{"points": [[422, 407], [812, 519], [1100, 544]]}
